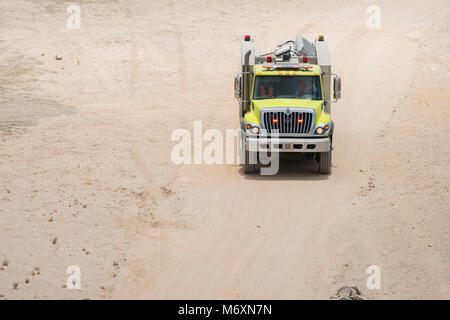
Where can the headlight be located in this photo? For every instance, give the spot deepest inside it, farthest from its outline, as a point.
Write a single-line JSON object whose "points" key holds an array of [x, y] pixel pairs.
{"points": [[252, 129], [322, 129]]}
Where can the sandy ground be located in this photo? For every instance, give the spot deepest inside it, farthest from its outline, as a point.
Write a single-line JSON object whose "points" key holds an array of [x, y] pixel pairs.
{"points": [[86, 177]]}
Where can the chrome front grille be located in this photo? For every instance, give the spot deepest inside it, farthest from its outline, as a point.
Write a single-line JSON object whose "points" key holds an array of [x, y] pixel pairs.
{"points": [[297, 122]]}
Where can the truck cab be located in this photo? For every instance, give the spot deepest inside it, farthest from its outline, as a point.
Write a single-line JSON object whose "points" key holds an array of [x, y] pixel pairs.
{"points": [[284, 101]]}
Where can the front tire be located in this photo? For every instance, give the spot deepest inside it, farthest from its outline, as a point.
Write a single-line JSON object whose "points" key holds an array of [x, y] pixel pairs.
{"points": [[248, 167], [325, 162]]}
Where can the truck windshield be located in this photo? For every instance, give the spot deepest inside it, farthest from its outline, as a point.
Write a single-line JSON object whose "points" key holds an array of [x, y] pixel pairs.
{"points": [[287, 87]]}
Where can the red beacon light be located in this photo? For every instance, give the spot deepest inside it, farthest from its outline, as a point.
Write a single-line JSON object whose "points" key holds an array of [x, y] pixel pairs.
{"points": [[246, 37], [269, 59], [305, 59]]}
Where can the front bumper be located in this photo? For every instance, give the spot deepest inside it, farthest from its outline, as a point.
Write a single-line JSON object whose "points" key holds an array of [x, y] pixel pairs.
{"points": [[254, 144]]}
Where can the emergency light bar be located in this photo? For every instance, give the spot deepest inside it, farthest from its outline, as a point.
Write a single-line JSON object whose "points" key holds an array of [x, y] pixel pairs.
{"points": [[286, 66]]}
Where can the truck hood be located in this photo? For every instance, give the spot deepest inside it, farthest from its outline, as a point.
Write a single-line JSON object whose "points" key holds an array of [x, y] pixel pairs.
{"points": [[291, 103]]}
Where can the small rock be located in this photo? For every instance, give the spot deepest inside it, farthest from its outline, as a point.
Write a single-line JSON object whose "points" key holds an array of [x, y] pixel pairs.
{"points": [[156, 224], [349, 293]]}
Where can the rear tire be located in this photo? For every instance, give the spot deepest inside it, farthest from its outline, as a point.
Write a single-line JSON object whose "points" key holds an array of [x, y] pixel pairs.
{"points": [[325, 162], [248, 167]]}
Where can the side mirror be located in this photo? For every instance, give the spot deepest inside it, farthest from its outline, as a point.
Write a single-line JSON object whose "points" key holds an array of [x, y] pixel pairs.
{"points": [[337, 87], [237, 87]]}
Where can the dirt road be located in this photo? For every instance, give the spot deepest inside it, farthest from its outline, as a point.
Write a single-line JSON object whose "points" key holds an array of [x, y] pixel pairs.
{"points": [[85, 154]]}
